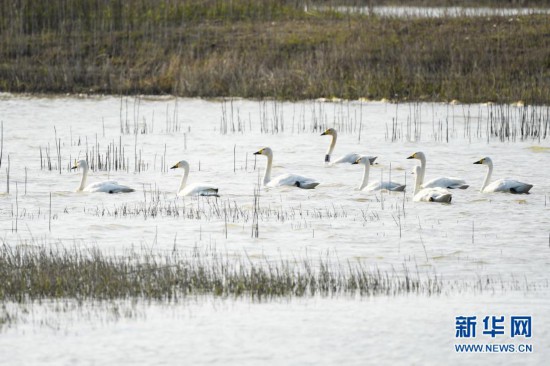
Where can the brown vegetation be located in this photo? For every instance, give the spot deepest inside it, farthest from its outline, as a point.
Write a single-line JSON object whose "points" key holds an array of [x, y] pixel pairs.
{"points": [[268, 49]]}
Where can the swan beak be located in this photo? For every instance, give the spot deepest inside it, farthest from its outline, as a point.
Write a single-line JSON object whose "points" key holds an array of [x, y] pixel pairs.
{"points": [[479, 162], [258, 152], [412, 156], [74, 167], [356, 162], [324, 133], [174, 167]]}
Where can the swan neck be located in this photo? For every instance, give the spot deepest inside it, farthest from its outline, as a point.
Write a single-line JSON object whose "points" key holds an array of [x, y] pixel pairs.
{"points": [[420, 179], [417, 183], [83, 179], [332, 145], [267, 173], [365, 177], [183, 179], [487, 176]]}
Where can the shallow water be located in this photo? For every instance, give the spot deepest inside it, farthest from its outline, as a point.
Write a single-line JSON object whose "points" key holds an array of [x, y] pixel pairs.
{"points": [[438, 12], [317, 331], [502, 236]]}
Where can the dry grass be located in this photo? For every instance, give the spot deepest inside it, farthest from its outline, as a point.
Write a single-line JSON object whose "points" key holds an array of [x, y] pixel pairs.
{"points": [[271, 49]]}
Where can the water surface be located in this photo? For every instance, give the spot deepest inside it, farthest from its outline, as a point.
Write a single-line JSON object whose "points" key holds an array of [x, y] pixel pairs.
{"points": [[500, 236]]}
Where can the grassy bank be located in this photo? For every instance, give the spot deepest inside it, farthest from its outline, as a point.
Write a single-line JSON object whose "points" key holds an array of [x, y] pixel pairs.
{"points": [[275, 49]]}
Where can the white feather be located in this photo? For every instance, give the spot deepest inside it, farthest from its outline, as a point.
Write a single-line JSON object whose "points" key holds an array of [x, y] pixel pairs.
{"points": [[377, 185], [442, 182], [501, 185], [436, 194], [198, 190], [349, 158], [446, 182], [389, 186], [433, 195], [105, 186], [293, 180], [194, 189]]}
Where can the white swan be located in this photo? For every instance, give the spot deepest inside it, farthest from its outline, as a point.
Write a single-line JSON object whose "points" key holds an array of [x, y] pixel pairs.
{"points": [[348, 158], [195, 189], [436, 194], [501, 185], [105, 186], [375, 186], [443, 182], [283, 179]]}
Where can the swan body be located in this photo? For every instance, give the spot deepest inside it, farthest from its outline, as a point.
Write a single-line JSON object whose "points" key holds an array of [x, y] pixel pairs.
{"points": [[501, 185], [443, 182], [195, 189], [292, 180], [345, 159], [387, 185], [378, 185], [349, 158], [108, 186], [434, 194]]}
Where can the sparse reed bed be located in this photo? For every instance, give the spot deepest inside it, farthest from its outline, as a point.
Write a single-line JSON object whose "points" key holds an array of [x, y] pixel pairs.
{"points": [[34, 272], [269, 49], [31, 273]]}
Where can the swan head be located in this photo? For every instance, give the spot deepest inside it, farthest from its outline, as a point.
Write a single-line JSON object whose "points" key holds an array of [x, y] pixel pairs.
{"points": [[485, 161], [329, 132], [417, 155], [181, 164], [364, 160], [80, 164], [265, 151]]}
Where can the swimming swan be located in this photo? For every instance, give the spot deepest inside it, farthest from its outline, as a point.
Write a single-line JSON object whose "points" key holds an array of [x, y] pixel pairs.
{"points": [[442, 182], [436, 194], [195, 189], [375, 186], [283, 179], [348, 158], [105, 186], [501, 185]]}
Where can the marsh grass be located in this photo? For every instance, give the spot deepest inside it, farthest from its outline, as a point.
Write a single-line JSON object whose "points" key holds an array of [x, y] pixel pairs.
{"points": [[31, 273], [268, 49], [34, 272]]}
